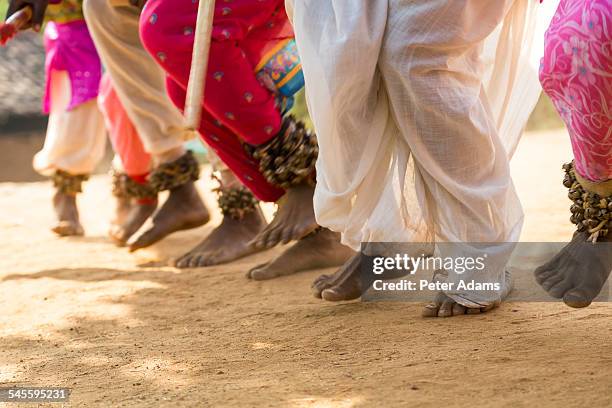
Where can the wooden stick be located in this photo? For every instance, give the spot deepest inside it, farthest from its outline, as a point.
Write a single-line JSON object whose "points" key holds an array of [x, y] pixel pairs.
{"points": [[199, 64], [14, 23], [20, 18]]}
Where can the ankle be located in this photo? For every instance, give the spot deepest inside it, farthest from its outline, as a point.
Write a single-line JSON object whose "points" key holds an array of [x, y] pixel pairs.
{"points": [[68, 184], [176, 175], [147, 201]]}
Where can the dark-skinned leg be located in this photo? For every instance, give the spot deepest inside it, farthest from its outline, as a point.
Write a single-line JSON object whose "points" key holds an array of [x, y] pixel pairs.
{"points": [[183, 209], [579, 271], [67, 186], [136, 202], [242, 221]]}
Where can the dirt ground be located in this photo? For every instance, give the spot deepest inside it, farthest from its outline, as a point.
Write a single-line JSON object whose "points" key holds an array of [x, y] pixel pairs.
{"points": [[126, 330]]}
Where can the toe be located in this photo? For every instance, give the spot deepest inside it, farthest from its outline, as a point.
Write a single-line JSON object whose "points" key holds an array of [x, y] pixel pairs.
{"points": [[188, 260], [431, 310], [321, 278], [577, 299], [209, 259], [287, 235], [274, 238], [551, 282], [332, 295], [262, 238], [68, 229], [259, 242], [182, 262], [249, 274], [264, 273], [341, 293], [458, 309], [543, 273], [446, 308], [320, 284], [557, 291], [195, 261]]}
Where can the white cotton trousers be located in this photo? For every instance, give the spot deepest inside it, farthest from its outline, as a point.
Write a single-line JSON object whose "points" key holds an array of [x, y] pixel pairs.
{"points": [[76, 139], [418, 106], [138, 80]]}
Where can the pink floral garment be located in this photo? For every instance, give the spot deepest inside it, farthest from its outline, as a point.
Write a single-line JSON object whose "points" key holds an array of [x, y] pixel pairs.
{"points": [[576, 73]]}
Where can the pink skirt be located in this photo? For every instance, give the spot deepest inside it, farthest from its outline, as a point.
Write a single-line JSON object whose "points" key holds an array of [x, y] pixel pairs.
{"points": [[70, 48]]}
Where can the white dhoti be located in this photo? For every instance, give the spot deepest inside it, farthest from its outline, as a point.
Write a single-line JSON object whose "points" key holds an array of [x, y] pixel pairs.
{"points": [[76, 139], [418, 106]]}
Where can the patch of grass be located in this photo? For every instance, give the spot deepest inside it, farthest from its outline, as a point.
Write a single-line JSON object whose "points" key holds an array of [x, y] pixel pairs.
{"points": [[300, 110], [3, 7]]}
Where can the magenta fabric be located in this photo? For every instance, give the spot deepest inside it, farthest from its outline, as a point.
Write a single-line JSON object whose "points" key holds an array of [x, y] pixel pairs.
{"points": [[69, 47], [237, 107], [576, 72]]}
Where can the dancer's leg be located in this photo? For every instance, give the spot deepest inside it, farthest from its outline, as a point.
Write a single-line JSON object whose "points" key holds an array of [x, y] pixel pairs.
{"points": [[136, 199], [236, 99], [576, 75], [139, 84], [242, 217], [74, 145]]}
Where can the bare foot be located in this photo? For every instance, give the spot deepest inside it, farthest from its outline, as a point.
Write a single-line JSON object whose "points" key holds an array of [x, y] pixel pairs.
{"points": [[130, 218], [67, 214], [294, 219], [444, 306], [344, 284], [184, 209], [578, 272], [228, 242], [320, 249], [348, 282]]}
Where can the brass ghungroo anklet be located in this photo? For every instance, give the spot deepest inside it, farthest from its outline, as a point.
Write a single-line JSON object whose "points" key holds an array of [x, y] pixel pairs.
{"points": [[236, 203], [67, 183], [289, 158], [125, 186], [169, 176], [591, 213]]}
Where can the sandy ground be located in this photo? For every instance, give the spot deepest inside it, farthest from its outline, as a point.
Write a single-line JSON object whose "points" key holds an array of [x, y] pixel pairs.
{"points": [[125, 330]]}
